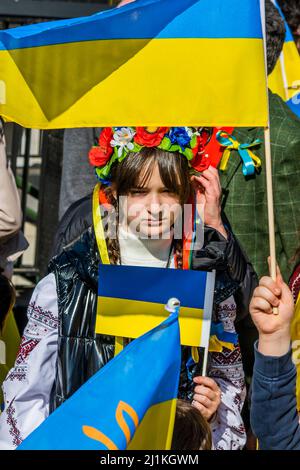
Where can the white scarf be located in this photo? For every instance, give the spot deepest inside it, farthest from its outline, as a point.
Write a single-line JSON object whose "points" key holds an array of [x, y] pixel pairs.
{"points": [[137, 251]]}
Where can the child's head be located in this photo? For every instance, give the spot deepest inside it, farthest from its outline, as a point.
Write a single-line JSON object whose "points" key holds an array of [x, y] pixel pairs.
{"points": [[148, 172], [191, 430], [156, 184]]}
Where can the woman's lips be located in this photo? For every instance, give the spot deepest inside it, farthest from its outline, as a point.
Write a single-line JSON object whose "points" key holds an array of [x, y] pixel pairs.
{"points": [[153, 223]]}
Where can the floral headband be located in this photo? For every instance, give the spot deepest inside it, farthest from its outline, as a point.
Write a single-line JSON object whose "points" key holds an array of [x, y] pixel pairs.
{"points": [[115, 143]]}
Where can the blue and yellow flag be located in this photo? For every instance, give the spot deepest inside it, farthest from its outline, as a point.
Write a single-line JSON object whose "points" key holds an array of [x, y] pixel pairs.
{"points": [[285, 78], [132, 299], [149, 63], [130, 403]]}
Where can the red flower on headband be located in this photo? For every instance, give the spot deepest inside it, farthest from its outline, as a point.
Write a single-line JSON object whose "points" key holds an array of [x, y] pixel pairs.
{"points": [[201, 160], [99, 155], [199, 147], [149, 139]]}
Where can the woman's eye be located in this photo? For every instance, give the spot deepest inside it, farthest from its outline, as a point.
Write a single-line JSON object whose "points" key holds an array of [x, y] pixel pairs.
{"points": [[138, 191]]}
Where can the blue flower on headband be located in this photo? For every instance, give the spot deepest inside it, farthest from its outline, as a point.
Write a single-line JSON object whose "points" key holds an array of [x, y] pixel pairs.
{"points": [[180, 136]]}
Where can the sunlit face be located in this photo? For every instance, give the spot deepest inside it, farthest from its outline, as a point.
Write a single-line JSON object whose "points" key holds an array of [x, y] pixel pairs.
{"points": [[150, 209]]}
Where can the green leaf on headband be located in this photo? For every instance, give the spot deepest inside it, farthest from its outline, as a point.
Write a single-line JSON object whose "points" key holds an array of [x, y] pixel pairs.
{"points": [[165, 144], [188, 153], [136, 147]]}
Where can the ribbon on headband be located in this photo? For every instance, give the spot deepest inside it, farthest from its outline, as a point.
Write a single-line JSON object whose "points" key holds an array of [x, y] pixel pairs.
{"points": [[250, 161]]}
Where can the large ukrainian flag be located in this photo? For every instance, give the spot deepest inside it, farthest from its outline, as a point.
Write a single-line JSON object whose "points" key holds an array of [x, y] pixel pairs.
{"points": [[285, 78], [129, 404], [149, 63]]}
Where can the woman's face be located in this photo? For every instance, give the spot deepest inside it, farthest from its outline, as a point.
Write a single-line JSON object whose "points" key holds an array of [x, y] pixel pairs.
{"points": [[150, 209]]}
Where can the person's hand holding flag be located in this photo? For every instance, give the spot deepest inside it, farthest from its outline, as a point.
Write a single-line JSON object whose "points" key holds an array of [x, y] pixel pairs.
{"points": [[207, 396]]}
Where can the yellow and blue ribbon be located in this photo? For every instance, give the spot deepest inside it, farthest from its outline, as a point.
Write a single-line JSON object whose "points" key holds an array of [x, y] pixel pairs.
{"points": [[219, 338], [250, 161], [102, 247]]}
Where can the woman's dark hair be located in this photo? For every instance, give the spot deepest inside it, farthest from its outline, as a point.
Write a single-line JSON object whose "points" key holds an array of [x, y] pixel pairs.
{"points": [[126, 175], [173, 170], [291, 11], [191, 430], [275, 30]]}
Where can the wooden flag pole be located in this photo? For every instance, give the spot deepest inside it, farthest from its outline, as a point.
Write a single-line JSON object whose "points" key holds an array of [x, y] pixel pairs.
{"points": [[268, 158], [270, 202]]}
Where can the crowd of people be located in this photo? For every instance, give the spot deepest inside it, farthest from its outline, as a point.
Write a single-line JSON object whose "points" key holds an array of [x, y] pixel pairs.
{"points": [[148, 178]]}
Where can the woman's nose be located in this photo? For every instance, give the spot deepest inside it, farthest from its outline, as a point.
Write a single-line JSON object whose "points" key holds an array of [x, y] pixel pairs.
{"points": [[154, 204]]}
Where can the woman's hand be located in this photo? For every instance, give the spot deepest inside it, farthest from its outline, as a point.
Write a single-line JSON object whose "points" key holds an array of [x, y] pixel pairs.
{"points": [[274, 330], [209, 191], [207, 396]]}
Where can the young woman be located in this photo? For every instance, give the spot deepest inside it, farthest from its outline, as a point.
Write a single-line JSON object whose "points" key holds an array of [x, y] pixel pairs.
{"points": [[146, 184]]}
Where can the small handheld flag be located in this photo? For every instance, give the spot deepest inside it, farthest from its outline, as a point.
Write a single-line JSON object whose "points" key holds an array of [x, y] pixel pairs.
{"points": [[131, 301]]}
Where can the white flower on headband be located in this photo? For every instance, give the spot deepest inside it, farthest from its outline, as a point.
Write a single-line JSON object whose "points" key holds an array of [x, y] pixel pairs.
{"points": [[122, 139], [190, 132]]}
